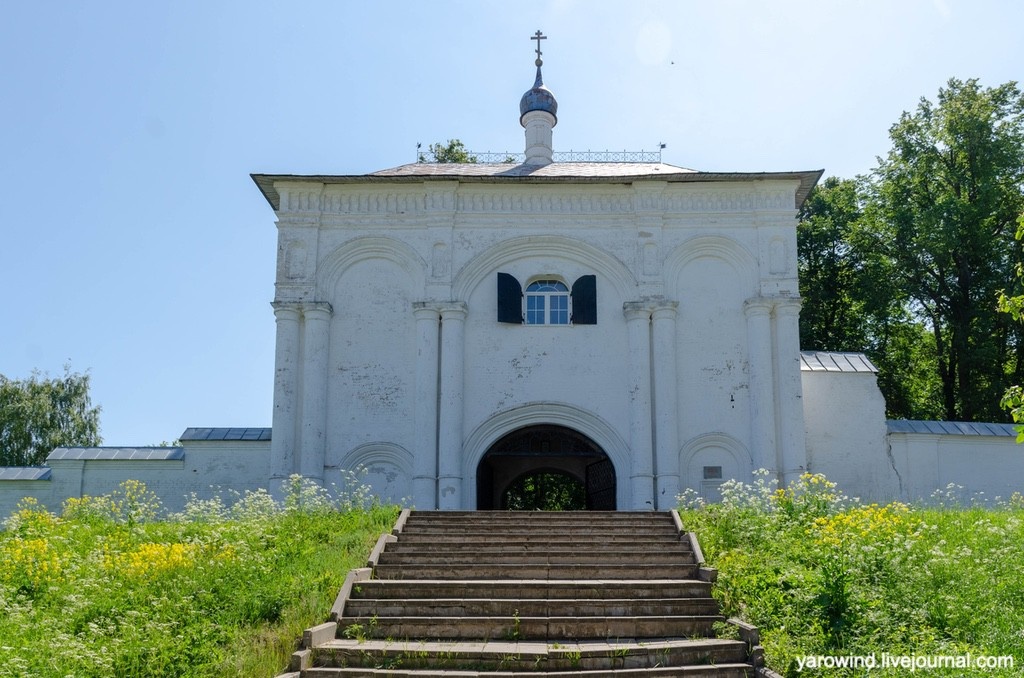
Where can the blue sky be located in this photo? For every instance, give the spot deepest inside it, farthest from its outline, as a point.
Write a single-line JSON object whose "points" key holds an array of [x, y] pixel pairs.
{"points": [[136, 247]]}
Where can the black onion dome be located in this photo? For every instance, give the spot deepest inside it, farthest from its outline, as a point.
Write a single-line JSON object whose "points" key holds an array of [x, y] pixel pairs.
{"points": [[538, 98]]}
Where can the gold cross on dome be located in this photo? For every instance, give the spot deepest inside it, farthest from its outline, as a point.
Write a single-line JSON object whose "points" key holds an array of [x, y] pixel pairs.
{"points": [[538, 36]]}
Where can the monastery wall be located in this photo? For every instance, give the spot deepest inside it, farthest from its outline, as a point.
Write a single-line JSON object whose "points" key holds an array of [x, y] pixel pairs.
{"points": [[844, 414], [172, 473]]}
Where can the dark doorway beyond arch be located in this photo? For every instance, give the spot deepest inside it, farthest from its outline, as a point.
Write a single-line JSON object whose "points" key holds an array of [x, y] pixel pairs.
{"points": [[545, 490], [532, 451]]}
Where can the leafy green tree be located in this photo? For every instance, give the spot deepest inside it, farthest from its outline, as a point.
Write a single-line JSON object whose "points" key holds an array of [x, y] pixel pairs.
{"points": [[941, 214], [545, 491], [832, 317], [850, 301], [41, 413], [452, 152], [1013, 304]]}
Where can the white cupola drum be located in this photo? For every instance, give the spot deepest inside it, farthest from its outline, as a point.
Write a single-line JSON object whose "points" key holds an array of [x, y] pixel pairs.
{"points": [[538, 115]]}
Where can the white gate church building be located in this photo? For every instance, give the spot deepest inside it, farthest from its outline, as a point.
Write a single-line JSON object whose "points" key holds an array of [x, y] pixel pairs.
{"points": [[451, 328]]}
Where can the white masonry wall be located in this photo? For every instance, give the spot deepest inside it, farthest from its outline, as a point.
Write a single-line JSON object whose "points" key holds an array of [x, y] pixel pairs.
{"points": [[844, 412], [200, 467], [389, 355], [983, 463]]}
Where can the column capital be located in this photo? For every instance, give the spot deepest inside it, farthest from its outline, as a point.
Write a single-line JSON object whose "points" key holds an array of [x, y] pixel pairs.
{"points": [[758, 306], [453, 310], [788, 305], [664, 309], [286, 310], [317, 308], [426, 310], [637, 310]]}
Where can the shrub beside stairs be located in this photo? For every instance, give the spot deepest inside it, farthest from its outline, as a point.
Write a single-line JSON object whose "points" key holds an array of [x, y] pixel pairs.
{"points": [[557, 594]]}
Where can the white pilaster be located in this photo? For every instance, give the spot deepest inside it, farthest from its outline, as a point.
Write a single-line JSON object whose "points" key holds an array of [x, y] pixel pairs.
{"points": [[762, 387], [449, 486], [666, 408], [792, 436], [286, 385], [424, 465], [638, 385], [317, 317]]}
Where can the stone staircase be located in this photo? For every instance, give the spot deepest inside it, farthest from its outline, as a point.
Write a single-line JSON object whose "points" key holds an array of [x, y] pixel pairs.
{"points": [[501, 594]]}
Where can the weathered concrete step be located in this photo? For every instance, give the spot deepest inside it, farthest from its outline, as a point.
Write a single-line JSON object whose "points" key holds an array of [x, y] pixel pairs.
{"points": [[595, 556], [729, 670], [533, 657], [538, 571], [537, 589], [552, 531], [529, 628], [529, 607], [640, 540], [539, 516], [545, 526], [546, 546]]}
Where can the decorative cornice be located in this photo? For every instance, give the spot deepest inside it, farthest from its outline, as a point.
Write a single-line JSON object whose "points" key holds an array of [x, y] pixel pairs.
{"points": [[310, 199]]}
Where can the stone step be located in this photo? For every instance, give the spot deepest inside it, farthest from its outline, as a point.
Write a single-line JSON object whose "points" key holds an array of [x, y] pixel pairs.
{"points": [[594, 557], [637, 540], [529, 628], [506, 595], [532, 546], [645, 589], [575, 517], [733, 670], [648, 532], [529, 607], [537, 571], [654, 657]]}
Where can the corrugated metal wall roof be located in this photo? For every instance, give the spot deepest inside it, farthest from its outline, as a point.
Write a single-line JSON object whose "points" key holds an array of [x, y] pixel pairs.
{"points": [[24, 473], [117, 453], [226, 434], [825, 361], [961, 428]]}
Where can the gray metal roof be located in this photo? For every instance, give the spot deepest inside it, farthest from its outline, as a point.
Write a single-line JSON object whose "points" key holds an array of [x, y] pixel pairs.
{"points": [[824, 361], [570, 170], [556, 172], [24, 473], [958, 428], [225, 434], [117, 453]]}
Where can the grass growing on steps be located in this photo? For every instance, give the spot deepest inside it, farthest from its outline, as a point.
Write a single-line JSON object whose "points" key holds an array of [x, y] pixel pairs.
{"points": [[824, 575], [222, 589]]}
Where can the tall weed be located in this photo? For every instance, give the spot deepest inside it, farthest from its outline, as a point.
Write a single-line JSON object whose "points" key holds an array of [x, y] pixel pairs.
{"points": [[225, 587], [826, 575]]}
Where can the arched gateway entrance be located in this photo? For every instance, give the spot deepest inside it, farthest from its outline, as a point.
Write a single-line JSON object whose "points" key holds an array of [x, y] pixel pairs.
{"points": [[545, 455]]}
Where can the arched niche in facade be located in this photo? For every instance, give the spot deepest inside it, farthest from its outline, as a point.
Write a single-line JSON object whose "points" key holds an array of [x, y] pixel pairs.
{"points": [[605, 265], [710, 459], [383, 466], [332, 265]]}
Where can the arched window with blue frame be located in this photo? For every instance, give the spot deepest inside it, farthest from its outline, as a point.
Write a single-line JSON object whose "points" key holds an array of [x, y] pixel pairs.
{"points": [[546, 303]]}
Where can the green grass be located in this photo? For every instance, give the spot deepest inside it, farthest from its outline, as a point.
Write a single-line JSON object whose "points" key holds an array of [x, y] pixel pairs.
{"points": [[107, 589], [826, 576]]}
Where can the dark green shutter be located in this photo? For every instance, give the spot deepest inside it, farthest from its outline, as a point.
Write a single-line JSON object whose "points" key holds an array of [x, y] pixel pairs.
{"points": [[584, 300], [510, 300]]}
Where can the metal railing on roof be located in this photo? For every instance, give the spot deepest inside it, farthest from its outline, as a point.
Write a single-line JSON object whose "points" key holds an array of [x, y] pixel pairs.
{"points": [[559, 156]]}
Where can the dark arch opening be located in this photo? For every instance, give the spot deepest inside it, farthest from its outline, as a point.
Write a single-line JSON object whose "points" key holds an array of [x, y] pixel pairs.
{"points": [[562, 453], [545, 490]]}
